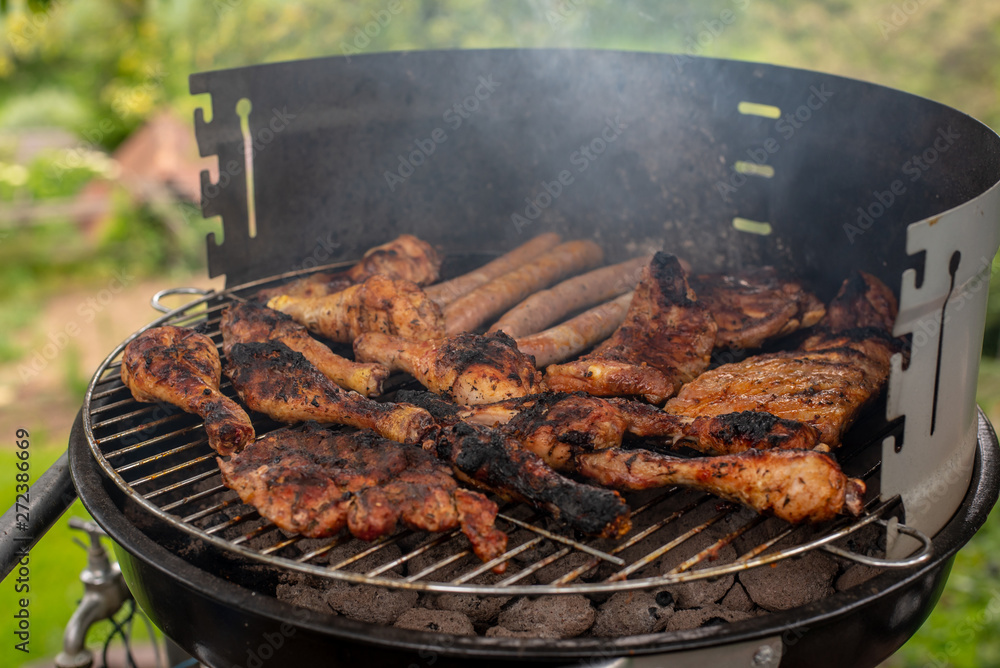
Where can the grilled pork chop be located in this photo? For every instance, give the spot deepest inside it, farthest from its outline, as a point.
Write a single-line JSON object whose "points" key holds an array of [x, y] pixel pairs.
{"points": [[665, 341], [467, 368], [755, 305], [182, 367], [311, 481], [826, 383], [275, 380], [250, 323]]}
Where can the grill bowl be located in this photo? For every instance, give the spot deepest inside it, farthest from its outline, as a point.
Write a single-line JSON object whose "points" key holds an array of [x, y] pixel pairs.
{"points": [[223, 623]]}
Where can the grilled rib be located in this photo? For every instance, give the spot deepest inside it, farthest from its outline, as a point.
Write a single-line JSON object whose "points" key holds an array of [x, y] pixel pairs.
{"points": [[467, 368], [490, 459], [182, 367], [275, 380], [666, 340], [755, 305], [250, 323], [826, 383], [379, 304], [404, 258], [311, 481]]}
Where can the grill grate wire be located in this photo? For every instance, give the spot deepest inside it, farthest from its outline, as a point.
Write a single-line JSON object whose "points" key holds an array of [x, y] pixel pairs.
{"points": [[160, 458]]}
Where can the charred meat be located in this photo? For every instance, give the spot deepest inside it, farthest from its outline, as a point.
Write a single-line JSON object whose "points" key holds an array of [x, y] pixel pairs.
{"points": [[665, 341], [250, 323], [793, 485], [182, 367], [379, 304], [826, 383], [755, 305], [275, 380], [467, 368], [493, 460], [404, 258], [314, 482]]}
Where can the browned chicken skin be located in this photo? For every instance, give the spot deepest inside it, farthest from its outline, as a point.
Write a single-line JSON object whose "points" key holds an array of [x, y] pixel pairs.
{"points": [[825, 384], [250, 323], [793, 485], [311, 481], [379, 304], [553, 423], [275, 380], [755, 305], [182, 367], [493, 460], [581, 434], [665, 341], [467, 368], [404, 258]]}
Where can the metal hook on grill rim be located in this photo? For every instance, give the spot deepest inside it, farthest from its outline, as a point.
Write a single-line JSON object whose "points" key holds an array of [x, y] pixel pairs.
{"points": [[162, 308]]}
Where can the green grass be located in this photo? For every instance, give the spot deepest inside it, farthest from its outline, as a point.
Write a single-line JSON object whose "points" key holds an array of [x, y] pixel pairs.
{"points": [[55, 565]]}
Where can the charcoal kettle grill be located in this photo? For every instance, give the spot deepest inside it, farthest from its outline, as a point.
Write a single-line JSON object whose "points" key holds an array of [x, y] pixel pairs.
{"points": [[728, 164]]}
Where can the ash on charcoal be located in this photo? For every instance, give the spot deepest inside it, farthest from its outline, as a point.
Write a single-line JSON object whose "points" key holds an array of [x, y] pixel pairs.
{"points": [[436, 621], [629, 613], [698, 617], [374, 560], [791, 582], [855, 575], [304, 596], [549, 616], [479, 609], [365, 603], [737, 599], [700, 592]]}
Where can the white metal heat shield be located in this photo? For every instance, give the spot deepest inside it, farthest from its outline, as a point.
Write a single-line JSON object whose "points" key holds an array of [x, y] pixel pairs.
{"points": [[936, 392]]}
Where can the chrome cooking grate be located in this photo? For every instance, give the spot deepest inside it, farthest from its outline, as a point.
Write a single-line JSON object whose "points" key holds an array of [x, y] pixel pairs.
{"points": [[159, 456]]}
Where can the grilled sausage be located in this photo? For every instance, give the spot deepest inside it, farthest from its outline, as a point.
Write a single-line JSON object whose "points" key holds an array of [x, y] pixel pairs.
{"points": [[448, 291], [576, 334], [488, 301], [550, 306]]}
